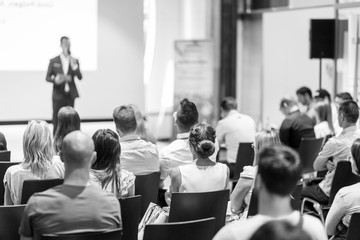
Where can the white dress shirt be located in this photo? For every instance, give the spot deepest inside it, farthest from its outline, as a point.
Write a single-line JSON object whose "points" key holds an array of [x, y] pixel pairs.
{"points": [[178, 153], [138, 156], [65, 62], [339, 148], [235, 128]]}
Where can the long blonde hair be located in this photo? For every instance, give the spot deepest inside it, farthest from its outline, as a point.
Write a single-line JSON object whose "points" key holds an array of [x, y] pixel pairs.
{"points": [[38, 147], [264, 138]]}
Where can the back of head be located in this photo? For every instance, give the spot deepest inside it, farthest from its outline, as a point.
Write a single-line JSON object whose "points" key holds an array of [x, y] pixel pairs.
{"points": [[322, 94], [107, 148], [38, 147], [125, 119], [187, 114], [280, 230], [202, 140], [228, 104], [279, 169], [3, 143], [265, 138], [355, 152], [68, 121], [344, 96], [350, 111], [287, 102], [304, 91], [77, 151]]}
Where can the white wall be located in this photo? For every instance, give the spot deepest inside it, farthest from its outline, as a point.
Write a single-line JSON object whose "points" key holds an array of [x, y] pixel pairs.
{"points": [[118, 79], [286, 63]]}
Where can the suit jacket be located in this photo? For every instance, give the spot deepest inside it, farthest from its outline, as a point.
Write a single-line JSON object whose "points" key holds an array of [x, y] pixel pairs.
{"points": [[295, 127], [55, 67]]}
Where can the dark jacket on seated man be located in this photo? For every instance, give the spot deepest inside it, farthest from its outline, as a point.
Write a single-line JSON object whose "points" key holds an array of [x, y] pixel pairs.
{"points": [[295, 126]]}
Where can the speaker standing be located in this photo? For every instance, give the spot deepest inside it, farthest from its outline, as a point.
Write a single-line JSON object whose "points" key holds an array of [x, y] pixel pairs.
{"points": [[61, 73]]}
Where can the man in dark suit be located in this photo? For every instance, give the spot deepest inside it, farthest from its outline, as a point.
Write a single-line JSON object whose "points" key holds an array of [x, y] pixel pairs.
{"points": [[296, 125], [61, 72]]}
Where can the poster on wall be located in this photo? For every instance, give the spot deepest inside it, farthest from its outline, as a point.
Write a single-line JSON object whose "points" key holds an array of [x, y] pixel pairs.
{"points": [[194, 76]]}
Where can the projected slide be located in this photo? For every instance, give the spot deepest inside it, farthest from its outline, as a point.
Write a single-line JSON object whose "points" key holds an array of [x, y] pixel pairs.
{"points": [[30, 32]]}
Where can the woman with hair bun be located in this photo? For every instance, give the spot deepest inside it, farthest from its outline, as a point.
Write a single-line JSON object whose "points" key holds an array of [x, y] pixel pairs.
{"points": [[202, 175]]}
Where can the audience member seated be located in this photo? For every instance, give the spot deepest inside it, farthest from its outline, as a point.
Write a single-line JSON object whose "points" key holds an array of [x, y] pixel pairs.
{"points": [[342, 97], [232, 129], [141, 129], [324, 96], [278, 173], [304, 96], [240, 197], [178, 152], [68, 121], [203, 174], [137, 155], [324, 126], [346, 202], [335, 150], [296, 125], [280, 230], [106, 172], [38, 163], [75, 206], [3, 143]]}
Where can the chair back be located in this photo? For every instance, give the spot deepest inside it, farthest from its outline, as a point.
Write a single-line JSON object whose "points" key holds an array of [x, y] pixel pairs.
{"points": [[308, 151], [3, 167], [295, 200], [245, 157], [296, 197], [10, 219], [33, 186], [108, 235], [147, 186], [130, 215], [5, 156], [354, 230], [194, 206], [343, 177], [203, 229]]}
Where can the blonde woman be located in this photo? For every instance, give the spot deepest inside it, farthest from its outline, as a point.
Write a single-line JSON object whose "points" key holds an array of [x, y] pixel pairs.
{"points": [[240, 197], [38, 163]]}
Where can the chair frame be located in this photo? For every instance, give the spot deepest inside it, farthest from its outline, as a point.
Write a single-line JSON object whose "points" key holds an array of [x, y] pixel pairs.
{"points": [[25, 196], [335, 187]]}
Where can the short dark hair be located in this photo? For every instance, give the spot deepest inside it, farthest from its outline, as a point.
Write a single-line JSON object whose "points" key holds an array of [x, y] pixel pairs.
{"points": [[303, 91], [63, 38], [187, 115], [279, 169], [228, 103], [350, 109], [68, 121], [345, 96], [125, 119], [322, 94]]}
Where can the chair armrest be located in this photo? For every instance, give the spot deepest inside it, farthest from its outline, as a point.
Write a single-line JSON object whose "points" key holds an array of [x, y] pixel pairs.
{"points": [[317, 206]]}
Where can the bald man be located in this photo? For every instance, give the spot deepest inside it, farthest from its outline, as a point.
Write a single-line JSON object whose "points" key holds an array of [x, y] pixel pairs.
{"points": [[74, 206]]}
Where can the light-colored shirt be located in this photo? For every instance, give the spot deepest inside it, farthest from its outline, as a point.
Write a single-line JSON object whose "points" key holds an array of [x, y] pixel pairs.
{"points": [[138, 156], [243, 230], [203, 178], [346, 202], [338, 148], [125, 181], [65, 62], [67, 209], [322, 129], [249, 172], [16, 175], [235, 128], [178, 153]]}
